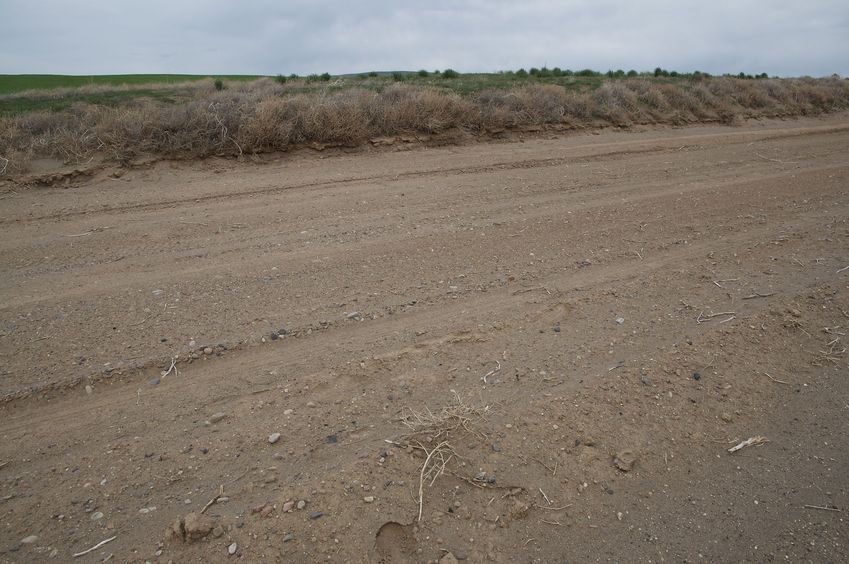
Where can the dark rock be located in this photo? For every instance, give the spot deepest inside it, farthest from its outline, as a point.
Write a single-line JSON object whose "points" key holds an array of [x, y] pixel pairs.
{"points": [[697, 376], [332, 439], [315, 514]]}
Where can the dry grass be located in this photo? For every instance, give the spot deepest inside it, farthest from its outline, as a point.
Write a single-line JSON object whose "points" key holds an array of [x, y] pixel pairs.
{"points": [[263, 116]]}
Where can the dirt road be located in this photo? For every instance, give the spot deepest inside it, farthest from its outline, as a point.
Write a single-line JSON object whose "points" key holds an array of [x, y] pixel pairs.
{"points": [[545, 348]]}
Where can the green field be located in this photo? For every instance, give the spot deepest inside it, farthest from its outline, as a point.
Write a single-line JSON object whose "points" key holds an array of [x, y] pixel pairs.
{"points": [[10, 83]]}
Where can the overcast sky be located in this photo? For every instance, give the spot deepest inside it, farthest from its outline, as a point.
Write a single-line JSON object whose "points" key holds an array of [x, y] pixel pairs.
{"points": [[780, 37]]}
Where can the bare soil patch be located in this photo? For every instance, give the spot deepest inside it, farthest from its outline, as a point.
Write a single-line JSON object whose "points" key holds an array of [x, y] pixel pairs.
{"points": [[535, 351]]}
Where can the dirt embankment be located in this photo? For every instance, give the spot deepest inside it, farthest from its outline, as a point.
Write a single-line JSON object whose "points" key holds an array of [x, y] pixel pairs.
{"points": [[517, 352]]}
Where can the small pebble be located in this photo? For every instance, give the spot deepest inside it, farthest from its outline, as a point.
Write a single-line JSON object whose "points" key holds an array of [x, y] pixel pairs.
{"points": [[274, 336], [155, 382], [96, 516], [89, 390], [316, 514], [207, 350], [273, 438], [232, 548], [331, 439], [288, 537], [287, 506], [620, 320], [216, 417], [288, 411], [697, 376], [368, 498], [302, 504], [310, 404], [29, 540]]}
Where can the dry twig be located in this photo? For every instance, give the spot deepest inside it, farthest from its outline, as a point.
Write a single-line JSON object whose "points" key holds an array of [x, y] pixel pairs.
{"points": [[213, 500], [432, 472], [95, 547], [491, 372], [758, 295], [776, 380], [702, 318], [822, 508], [752, 441]]}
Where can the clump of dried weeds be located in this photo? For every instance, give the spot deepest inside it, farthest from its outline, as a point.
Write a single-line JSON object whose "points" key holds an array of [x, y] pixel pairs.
{"points": [[265, 116]]}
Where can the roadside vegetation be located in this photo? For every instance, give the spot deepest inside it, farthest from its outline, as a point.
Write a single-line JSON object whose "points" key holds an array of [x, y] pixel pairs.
{"points": [[121, 118]]}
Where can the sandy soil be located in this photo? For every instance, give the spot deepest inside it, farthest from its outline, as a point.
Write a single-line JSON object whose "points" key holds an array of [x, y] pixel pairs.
{"points": [[575, 329]]}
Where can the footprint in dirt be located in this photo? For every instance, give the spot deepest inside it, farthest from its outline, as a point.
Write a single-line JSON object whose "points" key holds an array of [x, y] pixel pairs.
{"points": [[394, 543]]}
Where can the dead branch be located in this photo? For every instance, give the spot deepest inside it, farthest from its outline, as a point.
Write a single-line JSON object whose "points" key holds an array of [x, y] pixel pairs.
{"points": [[776, 380], [752, 441], [702, 318], [823, 508], [758, 295], [433, 472], [95, 547], [491, 372], [213, 500]]}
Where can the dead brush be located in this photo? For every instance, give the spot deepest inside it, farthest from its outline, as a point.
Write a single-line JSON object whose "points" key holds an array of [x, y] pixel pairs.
{"points": [[458, 415], [431, 433]]}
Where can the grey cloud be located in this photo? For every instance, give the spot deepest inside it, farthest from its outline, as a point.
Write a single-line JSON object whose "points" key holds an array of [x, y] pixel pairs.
{"points": [[265, 37]]}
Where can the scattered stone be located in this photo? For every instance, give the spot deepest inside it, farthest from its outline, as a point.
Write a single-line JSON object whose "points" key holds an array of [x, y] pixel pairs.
{"points": [[331, 439], [204, 450], [302, 504], [216, 417], [519, 509], [448, 558], [193, 527], [368, 499], [155, 382], [218, 531], [232, 548], [89, 390], [726, 417], [97, 516], [145, 510], [496, 447], [316, 514], [273, 438], [29, 540], [625, 460], [288, 411], [287, 506], [207, 350], [353, 315], [311, 404], [697, 376], [583, 263], [222, 499], [197, 526], [274, 335], [557, 328], [288, 537], [620, 320]]}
